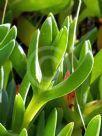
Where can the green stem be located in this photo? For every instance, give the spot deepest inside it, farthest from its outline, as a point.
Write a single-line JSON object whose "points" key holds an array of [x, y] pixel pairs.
{"points": [[1, 81], [74, 35], [5, 7], [34, 106], [1, 77]]}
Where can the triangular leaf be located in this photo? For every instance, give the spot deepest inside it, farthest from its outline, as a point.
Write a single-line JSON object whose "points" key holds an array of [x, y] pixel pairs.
{"points": [[67, 130], [94, 125], [18, 113]]}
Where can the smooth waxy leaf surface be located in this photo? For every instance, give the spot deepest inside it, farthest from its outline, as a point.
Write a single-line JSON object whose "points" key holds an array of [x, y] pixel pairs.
{"points": [[67, 130], [50, 127], [4, 30], [18, 113], [97, 68], [23, 132], [6, 51], [18, 59], [74, 81], [93, 128]]}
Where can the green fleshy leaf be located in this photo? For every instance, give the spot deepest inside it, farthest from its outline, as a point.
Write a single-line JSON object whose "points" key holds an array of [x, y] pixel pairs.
{"points": [[4, 107], [33, 68], [18, 59], [95, 8], [23, 132], [67, 130], [41, 124], [54, 57], [97, 68], [67, 22], [89, 113], [55, 30], [6, 51], [3, 131], [44, 6], [71, 35], [46, 33], [74, 81], [7, 69], [11, 91], [85, 48], [18, 113], [10, 36], [50, 128], [94, 125], [24, 87], [4, 30], [100, 86], [91, 35]]}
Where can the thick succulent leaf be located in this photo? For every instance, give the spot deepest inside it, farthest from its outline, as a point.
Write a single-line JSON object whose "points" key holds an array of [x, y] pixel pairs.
{"points": [[33, 68], [4, 107], [54, 57], [18, 59], [45, 6], [24, 87], [6, 51], [10, 36], [74, 81], [41, 124], [7, 69], [60, 46], [67, 22], [85, 48], [67, 130], [100, 6], [55, 30], [44, 45], [25, 30], [100, 86], [46, 33], [50, 127], [71, 35], [91, 35], [83, 92], [59, 114], [97, 68], [18, 113], [3, 131], [11, 91], [94, 125], [4, 30], [95, 8], [23, 132], [84, 14], [89, 113]]}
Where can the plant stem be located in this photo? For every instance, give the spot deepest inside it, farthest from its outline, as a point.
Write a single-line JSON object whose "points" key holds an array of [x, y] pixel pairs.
{"points": [[4, 11], [1, 81], [1, 77], [74, 35], [34, 106]]}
